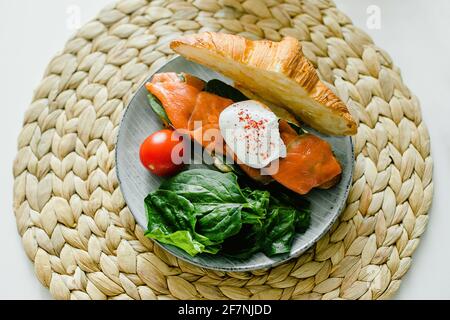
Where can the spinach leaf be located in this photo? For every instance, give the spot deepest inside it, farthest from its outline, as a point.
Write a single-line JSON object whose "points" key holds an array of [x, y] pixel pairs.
{"points": [[297, 129], [279, 231], [158, 109], [302, 220], [171, 224], [224, 90], [244, 244], [256, 207], [276, 233], [206, 187], [221, 223], [171, 220], [258, 200], [181, 239], [176, 211]]}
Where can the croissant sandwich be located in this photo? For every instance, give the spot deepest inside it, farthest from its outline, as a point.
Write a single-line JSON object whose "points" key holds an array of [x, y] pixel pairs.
{"points": [[275, 72]]}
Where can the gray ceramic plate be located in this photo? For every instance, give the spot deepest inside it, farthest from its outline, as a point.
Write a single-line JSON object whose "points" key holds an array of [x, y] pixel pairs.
{"points": [[139, 121]]}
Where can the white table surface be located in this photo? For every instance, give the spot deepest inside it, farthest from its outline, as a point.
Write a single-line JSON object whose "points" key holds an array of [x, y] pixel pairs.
{"points": [[416, 34]]}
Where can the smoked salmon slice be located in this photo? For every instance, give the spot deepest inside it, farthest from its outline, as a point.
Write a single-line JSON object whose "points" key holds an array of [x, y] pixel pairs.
{"points": [[204, 121], [207, 110], [309, 162], [178, 100]]}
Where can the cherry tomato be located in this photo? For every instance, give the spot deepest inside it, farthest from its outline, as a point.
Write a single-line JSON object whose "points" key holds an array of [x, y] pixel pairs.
{"points": [[156, 153]]}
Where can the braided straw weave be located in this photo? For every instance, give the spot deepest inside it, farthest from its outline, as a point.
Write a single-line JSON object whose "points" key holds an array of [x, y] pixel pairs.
{"points": [[84, 241]]}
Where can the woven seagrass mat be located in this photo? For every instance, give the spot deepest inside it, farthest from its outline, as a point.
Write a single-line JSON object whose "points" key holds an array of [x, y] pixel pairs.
{"points": [[83, 240]]}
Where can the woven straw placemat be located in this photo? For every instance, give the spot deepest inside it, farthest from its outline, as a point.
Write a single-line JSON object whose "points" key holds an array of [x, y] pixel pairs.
{"points": [[74, 223]]}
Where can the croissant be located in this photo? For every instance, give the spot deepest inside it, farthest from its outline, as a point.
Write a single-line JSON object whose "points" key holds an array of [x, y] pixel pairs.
{"points": [[278, 72]]}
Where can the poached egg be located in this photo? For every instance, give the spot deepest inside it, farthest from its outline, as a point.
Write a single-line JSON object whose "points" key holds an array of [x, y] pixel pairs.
{"points": [[250, 129]]}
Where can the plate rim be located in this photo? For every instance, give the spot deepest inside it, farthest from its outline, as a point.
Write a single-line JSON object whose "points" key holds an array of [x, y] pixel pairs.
{"points": [[272, 264]]}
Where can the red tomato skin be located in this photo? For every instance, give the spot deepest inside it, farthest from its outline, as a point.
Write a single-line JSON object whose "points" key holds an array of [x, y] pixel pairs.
{"points": [[156, 153]]}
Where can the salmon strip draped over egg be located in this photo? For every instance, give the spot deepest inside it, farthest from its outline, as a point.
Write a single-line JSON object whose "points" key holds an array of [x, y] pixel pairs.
{"points": [[309, 162]]}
